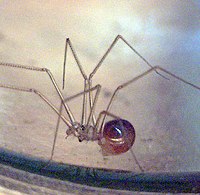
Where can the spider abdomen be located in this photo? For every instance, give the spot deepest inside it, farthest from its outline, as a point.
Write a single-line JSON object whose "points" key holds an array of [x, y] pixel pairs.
{"points": [[118, 136]]}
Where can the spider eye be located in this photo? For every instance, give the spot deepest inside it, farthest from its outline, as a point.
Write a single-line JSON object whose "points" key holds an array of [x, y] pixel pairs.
{"points": [[119, 136]]}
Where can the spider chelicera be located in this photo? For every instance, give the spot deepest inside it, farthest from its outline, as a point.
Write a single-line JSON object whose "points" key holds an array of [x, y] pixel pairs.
{"points": [[116, 136]]}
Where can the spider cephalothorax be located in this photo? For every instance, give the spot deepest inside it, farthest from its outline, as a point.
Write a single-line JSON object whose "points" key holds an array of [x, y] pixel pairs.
{"points": [[82, 132]]}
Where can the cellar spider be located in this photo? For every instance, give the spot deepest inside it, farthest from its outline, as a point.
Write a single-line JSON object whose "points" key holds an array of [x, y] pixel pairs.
{"points": [[114, 137]]}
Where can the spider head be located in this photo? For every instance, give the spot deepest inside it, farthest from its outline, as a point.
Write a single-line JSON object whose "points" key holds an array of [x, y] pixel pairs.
{"points": [[82, 132]]}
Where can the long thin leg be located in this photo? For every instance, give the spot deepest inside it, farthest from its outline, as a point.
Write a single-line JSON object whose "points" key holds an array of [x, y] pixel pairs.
{"points": [[60, 111], [41, 96], [91, 100], [79, 94], [89, 81], [108, 51], [93, 105], [84, 105], [91, 113], [68, 42], [139, 77], [106, 54], [100, 116], [30, 90], [106, 112], [136, 160], [55, 134], [71, 117]]}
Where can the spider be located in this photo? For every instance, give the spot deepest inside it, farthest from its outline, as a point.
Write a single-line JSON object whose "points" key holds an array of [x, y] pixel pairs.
{"points": [[114, 137]]}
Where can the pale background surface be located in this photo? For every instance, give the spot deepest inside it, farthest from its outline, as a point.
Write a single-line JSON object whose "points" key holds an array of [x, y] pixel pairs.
{"points": [[165, 114]]}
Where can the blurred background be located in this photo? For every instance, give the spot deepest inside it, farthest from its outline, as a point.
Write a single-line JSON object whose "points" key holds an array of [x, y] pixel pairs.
{"points": [[165, 113]]}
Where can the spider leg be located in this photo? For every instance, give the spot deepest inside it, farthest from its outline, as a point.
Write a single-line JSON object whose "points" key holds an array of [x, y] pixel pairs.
{"points": [[141, 76], [97, 87], [118, 37], [106, 112], [93, 105], [80, 93], [100, 116], [136, 160], [31, 68], [68, 42], [91, 113], [31, 90], [88, 82]]}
